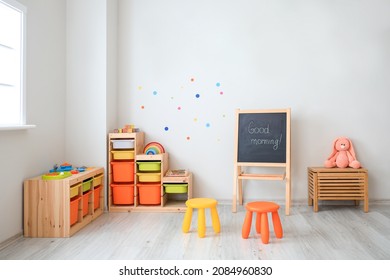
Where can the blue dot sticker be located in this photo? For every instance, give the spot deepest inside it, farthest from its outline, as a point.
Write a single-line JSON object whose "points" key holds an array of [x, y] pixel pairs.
{"points": [[166, 128], [218, 84], [154, 92], [197, 95], [208, 124]]}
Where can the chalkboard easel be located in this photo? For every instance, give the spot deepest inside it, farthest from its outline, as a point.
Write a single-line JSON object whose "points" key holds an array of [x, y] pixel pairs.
{"points": [[262, 139]]}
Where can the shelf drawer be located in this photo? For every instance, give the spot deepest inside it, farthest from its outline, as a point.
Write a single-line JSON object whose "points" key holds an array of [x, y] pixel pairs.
{"points": [[74, 190], [122, 171], [175, 188], [149, 166], [96, 197], [122, 155], [149, 177], [149, 193], [86, 199], [74, 210], [123, 144], [97, 180], [122, 194], [87, 184]]}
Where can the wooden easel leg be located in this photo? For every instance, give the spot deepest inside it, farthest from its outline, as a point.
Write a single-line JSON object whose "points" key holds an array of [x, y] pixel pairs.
{"points": [[234, 202], [288, 196]]}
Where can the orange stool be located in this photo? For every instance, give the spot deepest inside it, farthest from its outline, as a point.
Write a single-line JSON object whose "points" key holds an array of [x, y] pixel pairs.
{"points": [[262, 208], [201, 204]]}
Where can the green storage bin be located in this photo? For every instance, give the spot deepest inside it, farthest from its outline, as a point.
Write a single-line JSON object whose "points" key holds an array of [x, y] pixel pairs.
{"points": [[87, 184], [175, 188], [149, 166]]}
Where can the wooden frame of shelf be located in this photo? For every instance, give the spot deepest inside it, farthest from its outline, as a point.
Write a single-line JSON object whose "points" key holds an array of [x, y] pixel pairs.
{"points": [[47, 204]]}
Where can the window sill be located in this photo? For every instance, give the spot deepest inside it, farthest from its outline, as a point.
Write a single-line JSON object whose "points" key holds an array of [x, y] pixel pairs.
{"points": [[17, 127]]}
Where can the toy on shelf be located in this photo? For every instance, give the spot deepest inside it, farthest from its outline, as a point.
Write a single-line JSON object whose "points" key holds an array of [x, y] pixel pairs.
{"points": [[56, 175], [128, 128], [154, 148], [176, 172], [343, 154], [67, 167]]}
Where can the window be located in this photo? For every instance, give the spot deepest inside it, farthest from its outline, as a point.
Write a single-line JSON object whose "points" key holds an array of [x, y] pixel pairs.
{"points": [[12, 38]]}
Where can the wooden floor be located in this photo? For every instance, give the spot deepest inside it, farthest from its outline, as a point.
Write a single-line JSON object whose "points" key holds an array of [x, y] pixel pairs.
{"points": [[333, 233]]}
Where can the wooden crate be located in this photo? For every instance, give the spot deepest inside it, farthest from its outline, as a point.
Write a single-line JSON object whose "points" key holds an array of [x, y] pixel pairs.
{"points": [[337, 184]]}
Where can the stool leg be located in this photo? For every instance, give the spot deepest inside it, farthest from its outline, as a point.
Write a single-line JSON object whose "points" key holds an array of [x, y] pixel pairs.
{"points": [[201, 223], [187, 220], [246, 227], [264, 228], [277, 225], [215, 220], [258, 223]]}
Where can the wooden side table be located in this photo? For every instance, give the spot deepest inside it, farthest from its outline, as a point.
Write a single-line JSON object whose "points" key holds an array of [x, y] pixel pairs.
{"points": [[337, 184]]}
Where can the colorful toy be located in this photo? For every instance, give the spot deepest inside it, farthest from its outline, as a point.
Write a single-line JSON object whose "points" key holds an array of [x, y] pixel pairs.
{"points": [[154, 148], [343, 154]]}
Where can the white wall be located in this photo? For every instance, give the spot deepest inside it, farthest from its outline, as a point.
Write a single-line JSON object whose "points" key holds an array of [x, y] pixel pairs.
{"points": [[71, 97], [86, 82], [329, 61], [29, 153]]}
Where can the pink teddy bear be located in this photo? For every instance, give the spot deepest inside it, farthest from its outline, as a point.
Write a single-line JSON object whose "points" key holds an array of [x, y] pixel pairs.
{"points": [[343, 154]]}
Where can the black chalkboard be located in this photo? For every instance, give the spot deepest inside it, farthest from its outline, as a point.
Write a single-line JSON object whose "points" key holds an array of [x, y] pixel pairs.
{"points": [[262, 137]]}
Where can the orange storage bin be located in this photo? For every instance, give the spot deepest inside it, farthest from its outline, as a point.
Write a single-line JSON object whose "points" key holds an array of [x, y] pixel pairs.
{"points": [[122, 171], [86, 199], [149, 193], [122, 193], [74, 210], [96, 197]]}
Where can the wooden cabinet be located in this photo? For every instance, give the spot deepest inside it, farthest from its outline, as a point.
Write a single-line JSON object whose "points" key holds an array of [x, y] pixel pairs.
{"points": [[139, 187], [122, 150], [337, 184], [60, 208]]}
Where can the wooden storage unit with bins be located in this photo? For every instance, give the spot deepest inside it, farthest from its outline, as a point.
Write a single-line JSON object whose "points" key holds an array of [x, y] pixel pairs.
{"points": [[60, 208], [136, 180], [122, 149]]}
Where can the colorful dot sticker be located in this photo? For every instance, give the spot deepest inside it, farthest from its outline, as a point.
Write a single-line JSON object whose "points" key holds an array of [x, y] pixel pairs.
{"points": [[218, 84], [197, 95], [188, 138], [208, 124], [166, 128], [139, 87], [179, 108], [142, 107], [154, 92], [221, 93], [192, 79]]}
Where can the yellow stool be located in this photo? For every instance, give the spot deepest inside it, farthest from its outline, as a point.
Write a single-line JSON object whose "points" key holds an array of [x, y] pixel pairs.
{"points": [[201, 204]]}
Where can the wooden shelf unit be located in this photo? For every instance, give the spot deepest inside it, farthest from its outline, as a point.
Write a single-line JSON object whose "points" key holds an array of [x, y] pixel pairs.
{"points": [[337, 184], [166, 204], [47, 204], [139, 139]]}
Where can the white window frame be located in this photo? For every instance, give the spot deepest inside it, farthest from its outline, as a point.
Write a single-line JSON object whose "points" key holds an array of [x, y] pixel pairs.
{"points": [[22, 108]]}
